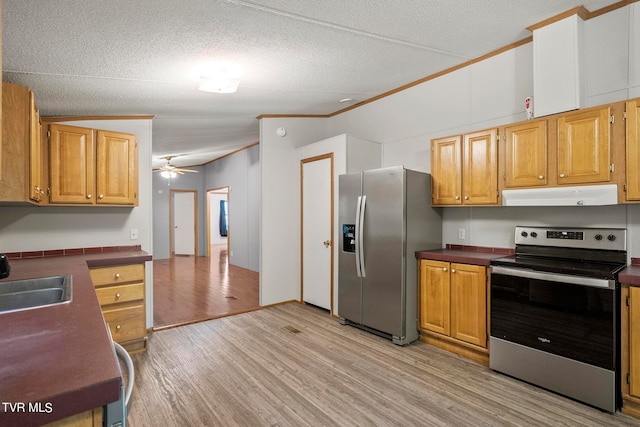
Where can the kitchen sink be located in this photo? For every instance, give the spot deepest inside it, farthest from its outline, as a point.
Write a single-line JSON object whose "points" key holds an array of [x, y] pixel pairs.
{"points": [[27, 294]]}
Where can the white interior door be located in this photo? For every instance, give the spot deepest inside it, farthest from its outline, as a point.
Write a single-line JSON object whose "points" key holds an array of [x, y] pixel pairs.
{"points": [[184, 224], [317, 245]]}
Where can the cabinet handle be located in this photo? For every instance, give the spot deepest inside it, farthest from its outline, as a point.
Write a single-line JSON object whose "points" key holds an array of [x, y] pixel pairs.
{"points": [[88, 196], [453, 270], [466, 197], [562, 175], [118, 327], [444, 269], [117, 276], [540, 176], [118, 295], [457, 197], [101, 196]]}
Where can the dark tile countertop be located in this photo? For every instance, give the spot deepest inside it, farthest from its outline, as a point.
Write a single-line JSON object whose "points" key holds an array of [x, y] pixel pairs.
{"points": [[60, 358], [463, 256]]}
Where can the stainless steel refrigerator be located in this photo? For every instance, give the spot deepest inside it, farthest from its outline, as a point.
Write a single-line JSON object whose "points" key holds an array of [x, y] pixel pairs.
{"points": [[385, 217]]}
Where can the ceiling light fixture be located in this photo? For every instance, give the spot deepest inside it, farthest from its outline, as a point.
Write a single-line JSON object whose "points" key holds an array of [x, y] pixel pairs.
{"points": [[218, 84], [342, 101]]}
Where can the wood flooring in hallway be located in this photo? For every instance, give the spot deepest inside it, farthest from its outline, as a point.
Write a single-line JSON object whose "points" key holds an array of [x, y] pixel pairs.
{"points": [[188, 289]]}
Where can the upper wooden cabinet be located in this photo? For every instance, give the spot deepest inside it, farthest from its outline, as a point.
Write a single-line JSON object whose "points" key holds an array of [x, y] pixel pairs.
{"points": [[584, 147], [446, 170], [464, 169], [22, 161], [117, 168], [633, 150], [525, 153], [92, 167]]}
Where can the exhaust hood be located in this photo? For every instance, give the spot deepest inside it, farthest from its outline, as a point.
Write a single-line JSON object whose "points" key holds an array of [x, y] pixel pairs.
{"points": [[587, 195]]}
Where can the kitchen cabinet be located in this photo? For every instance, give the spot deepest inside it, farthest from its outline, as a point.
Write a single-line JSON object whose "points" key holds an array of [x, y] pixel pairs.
{"points": [[584, 147], [22, 157], [630, 344], [121, 293], [91, 418], [453, 307], [632, 183], [92, 167], [525, 154], [464, 169], [559, 78]]}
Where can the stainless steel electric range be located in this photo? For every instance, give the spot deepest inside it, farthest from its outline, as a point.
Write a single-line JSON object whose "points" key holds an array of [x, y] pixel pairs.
{"points": [[555, 312]]}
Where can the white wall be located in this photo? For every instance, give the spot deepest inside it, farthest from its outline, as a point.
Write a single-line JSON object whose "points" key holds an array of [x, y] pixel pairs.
{"points": [[162, 205], [66, 227], [491, 93], [280, 204], [241, 173], [485, 94]]}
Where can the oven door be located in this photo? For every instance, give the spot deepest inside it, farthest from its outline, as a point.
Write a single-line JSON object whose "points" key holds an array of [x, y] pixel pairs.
{"points": [[569, 316]]}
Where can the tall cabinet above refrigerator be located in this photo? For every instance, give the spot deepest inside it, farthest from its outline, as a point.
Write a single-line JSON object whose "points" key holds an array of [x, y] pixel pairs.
{"points": [[385, 217]]}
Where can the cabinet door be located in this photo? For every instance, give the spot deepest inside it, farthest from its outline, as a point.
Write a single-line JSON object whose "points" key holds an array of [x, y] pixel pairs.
{"points": [[469, 304], [434, 296], [480, 168], [117, 168], [526, 154], [633, 150], [634, 341], [36, 187], [72, 165], [446, 178], [584, 153]]}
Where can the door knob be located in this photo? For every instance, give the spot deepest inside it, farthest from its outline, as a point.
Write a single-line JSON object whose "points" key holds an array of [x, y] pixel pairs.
{"points": [[326, 243]]}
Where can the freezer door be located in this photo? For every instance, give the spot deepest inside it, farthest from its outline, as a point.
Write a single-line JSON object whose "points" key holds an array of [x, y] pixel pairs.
{"points": [[383, 293], [349, 284]]}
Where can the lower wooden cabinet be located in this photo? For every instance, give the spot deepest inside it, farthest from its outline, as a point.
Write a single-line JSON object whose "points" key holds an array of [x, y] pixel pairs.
{"points": [[91, 418], [121, 292], [630, 344], [453, 308]]}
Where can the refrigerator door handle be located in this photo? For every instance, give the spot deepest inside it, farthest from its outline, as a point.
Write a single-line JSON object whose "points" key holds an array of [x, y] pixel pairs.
{"points": [[360, 239], [357, 236]]}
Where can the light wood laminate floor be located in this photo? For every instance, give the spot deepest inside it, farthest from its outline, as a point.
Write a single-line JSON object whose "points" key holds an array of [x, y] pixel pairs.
{"points": [[189, 289], [294, 365]]}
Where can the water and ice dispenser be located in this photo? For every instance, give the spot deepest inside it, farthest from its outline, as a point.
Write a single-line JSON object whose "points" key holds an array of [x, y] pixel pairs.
{"points": [[348, 237]]}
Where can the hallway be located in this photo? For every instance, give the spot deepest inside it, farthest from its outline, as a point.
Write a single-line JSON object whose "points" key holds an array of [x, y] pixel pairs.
{"points": [[188, 289]]}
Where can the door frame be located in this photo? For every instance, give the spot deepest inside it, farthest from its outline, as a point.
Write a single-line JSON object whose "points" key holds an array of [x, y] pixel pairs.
{"points": [[208, 216], [332, 225], [172, 192]]}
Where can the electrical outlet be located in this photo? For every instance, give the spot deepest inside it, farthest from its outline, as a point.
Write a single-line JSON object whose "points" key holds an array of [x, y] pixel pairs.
{"points": [[461, 233], [134, 234]]}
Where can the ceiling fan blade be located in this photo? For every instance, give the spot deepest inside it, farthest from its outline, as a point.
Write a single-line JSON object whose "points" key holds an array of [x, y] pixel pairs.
{"points": [[186, 170]]}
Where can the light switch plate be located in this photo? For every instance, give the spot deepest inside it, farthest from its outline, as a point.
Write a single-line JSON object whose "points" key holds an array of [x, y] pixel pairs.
{"points": [[134, 234]]}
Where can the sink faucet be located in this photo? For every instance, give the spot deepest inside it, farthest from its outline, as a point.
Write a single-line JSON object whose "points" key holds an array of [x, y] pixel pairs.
{"points": [[5, 268]]}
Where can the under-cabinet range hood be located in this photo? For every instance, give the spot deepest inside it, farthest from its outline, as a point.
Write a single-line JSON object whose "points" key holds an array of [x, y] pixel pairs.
{"points": [[587, 195]]}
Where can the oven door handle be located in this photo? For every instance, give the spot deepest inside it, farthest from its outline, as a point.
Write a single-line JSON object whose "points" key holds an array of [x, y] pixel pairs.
{"points": [[554, 277]]}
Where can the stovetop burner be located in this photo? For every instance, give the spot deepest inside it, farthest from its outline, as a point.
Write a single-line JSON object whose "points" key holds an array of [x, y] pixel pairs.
{"points": [[563, 266], [588, 252]]}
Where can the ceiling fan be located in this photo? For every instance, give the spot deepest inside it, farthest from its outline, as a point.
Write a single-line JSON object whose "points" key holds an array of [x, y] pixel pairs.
{"points": [[168, 170]]}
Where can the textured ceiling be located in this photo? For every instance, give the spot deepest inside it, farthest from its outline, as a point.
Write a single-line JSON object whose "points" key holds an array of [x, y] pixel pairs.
{"points": [[130, 57]]}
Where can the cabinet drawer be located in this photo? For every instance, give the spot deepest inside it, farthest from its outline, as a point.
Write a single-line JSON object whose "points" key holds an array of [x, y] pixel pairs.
{"points": [[120, 293], [126, 323], [118, 274]]}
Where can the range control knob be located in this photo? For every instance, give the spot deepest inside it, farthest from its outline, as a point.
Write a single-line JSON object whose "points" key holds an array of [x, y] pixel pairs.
{"points": [[598, 236], [534, 234], [611, 237], [524, 234]]}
